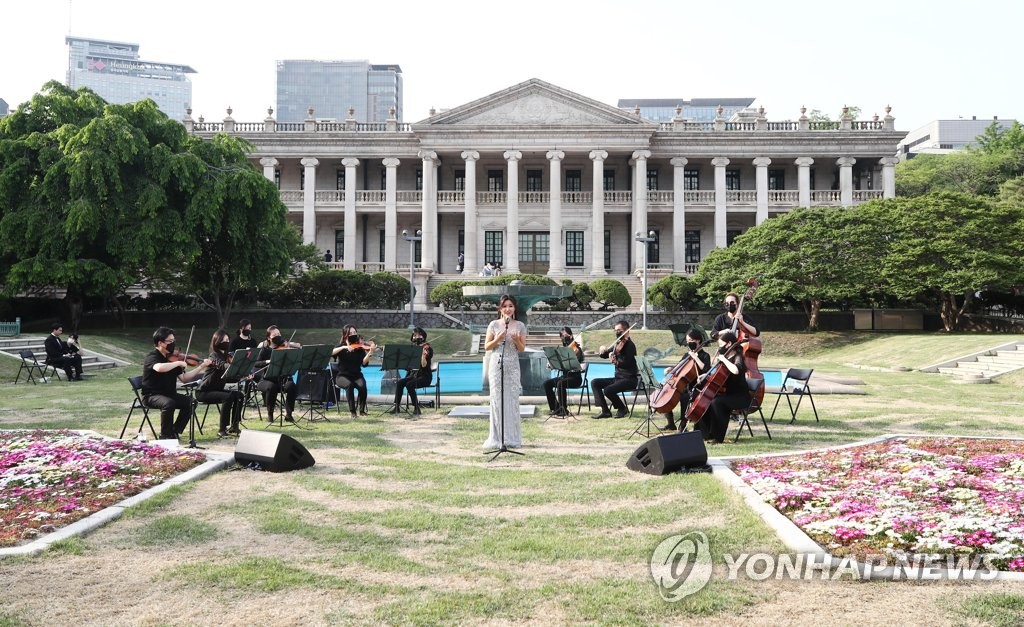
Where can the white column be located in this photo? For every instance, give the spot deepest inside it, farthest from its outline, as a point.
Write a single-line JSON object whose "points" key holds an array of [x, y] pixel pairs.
{"points": [[269, 165], [846, 180], [640, 204], [390, 213], [309, 195], [472, 238], [679, 214], [803, 178], [720, 204], [762, 163], [428, 214], [597, 221], [350, 213], [434, 243], [510, 265], [556, 256], [888, 176]]}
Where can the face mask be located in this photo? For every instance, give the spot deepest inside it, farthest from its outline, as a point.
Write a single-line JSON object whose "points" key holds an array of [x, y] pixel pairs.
{"points": [[693, 345], [245, 332], [417, 340], [223, 346], [618, 333], [170, 348], [278, 340], [731, 307], [566, 341]]}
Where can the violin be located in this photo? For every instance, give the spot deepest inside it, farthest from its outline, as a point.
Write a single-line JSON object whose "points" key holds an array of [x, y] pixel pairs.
{"points": [[619, 344], [190, 359]]}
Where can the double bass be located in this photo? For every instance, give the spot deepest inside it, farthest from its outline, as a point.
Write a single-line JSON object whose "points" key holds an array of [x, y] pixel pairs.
{"points": [[717, 376]]}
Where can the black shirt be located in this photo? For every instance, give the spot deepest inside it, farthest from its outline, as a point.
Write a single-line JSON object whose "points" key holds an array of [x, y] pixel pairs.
{"points": [[350, 362], [626, 367], [153, 382], [240, 342], [724, 323]]}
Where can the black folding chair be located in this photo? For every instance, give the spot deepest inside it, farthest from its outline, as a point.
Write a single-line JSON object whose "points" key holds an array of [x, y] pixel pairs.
{"points": [[755, 386], [30, 364], [584, 387], [435, 385], [138, 404], [795, 383]]}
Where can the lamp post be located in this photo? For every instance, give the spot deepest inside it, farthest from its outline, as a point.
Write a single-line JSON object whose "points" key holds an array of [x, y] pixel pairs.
{"points": [[412, 239], [646, 241]]}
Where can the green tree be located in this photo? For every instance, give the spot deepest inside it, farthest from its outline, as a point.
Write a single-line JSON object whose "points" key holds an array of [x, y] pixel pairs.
{"points": [[609, 293], [949, 247], [673, 293]]}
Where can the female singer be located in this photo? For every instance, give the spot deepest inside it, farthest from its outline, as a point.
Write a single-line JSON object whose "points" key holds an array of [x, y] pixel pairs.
{"points": [[271, 387], [506, 338], [211, 389], [415, 378], [734, 394], [564, 380], [351, 354]]}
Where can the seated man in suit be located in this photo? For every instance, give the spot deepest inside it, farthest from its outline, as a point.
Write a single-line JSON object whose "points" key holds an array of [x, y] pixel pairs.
{"points": [[59, 355]]}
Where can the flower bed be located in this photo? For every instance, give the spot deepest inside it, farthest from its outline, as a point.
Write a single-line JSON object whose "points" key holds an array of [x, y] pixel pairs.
{"points": [[925, 496], [49, 479]]}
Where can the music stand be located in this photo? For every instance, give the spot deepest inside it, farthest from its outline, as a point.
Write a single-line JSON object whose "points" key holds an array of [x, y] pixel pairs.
{"points": [[314, 359], [401, 357], [649, 382], [190, 391], [284, 363], [563, 359]]}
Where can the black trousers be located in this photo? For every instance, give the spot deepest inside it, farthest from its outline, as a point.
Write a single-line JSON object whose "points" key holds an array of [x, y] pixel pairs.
{"points": [[609, 389], [271, 388], [714, 424], [557, 386], [353, 386], [230, 402], [70, 364], [410, 384], [169, 428]]}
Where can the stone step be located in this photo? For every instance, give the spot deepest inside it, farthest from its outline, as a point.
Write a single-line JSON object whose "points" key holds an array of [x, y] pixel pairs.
{"points": [[998, 361], [964, 372]]}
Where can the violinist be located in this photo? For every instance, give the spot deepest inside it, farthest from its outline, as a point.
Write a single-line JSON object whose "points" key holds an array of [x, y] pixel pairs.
{"points": [[244, 338], [211, 389], [161, 370], [726, 319], [734, 395], [623, 354], [701, 361], [415, 378], [272, 386], [564, 380], [350, 355]]}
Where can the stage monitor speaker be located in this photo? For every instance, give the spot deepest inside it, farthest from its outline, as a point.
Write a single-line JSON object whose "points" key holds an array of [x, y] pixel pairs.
{"points": [[275, 452], [314, 387], [670, 453]]}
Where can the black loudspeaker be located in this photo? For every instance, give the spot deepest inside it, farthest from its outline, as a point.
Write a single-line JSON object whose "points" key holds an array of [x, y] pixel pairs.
{"points": [[670, 453], [275, 452], [315, 387]]}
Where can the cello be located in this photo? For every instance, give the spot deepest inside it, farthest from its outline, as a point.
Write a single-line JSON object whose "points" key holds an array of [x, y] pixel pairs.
{"points": [[717, 376], [683, 374]]}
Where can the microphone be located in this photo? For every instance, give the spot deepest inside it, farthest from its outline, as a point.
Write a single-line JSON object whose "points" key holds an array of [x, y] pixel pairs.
{"points": [[508, 319]]}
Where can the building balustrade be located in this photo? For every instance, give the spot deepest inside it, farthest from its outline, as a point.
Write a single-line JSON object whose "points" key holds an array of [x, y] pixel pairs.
{"points": [[618, 198], [825, 196], [660, 197], [741, 196], [407, 197], [783, 196], [328, 197], [863, 195], [699, 197]]}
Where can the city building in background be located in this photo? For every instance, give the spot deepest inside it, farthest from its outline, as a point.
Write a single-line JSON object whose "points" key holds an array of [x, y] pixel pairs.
{"points": [[945, 136], [695, 110], [4, 108], [331, 88], [115, 72]]}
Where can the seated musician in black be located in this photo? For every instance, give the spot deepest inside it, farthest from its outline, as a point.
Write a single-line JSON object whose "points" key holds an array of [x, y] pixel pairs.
{"points": [[60, 355], [272, 386], [415, 378], [702, 361], [623, 355], [735, 394], [564, 380], [351, 355], [726, 319], [212, 388], [161, 371], [244, 338]]}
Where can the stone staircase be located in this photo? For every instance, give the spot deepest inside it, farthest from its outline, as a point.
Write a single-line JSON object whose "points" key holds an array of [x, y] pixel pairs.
{"points": [[12, 346], [982, 366]]}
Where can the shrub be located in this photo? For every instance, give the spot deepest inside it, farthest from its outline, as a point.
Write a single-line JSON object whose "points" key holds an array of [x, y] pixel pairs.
{"points": [[449, 294], [388, 290], [609, 293], [673, 293]]}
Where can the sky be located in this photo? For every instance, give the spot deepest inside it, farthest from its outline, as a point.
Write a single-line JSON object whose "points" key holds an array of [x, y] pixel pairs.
{"points": [[927, 59]]}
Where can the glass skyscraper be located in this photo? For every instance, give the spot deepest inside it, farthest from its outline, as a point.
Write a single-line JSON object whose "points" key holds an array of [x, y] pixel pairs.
{"points": [[114, 70], [331, 87]]}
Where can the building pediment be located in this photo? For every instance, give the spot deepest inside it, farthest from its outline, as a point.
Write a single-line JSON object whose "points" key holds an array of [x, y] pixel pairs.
{"points": [[533, 103]]}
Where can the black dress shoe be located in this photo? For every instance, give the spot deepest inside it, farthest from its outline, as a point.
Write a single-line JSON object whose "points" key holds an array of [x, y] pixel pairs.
{"points": [[394, 410], [289, 418], [604, 414], [621, 414]]}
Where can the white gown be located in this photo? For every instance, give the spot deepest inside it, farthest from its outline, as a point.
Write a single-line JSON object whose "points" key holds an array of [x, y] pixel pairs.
{"points": [[513, 388]]}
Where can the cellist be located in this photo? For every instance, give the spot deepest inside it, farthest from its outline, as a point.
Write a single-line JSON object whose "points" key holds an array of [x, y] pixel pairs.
{"points": [[725, 320], [735, 394], [702, 363]]}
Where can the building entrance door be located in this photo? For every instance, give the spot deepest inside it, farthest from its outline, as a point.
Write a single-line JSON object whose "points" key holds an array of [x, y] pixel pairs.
{"points": [[534, 252]]}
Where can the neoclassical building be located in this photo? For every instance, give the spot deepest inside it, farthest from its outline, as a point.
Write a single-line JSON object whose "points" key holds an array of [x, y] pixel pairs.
{"points": [[540, 179]]}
